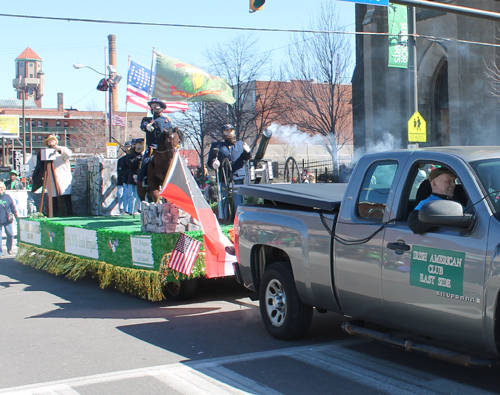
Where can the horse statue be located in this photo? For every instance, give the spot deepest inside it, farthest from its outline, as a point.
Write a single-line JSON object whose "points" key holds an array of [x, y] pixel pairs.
{"points": [[158, 166]]}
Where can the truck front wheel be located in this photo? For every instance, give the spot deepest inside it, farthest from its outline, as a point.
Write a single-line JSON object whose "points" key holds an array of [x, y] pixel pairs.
{"points": [[284, 315]]}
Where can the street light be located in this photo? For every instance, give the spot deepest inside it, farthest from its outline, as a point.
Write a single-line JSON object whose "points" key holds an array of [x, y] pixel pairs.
{"points": [[112, 79]]}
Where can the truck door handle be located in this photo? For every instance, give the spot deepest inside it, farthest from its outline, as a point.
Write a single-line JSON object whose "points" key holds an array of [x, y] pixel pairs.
{"points": [[398, 246]]}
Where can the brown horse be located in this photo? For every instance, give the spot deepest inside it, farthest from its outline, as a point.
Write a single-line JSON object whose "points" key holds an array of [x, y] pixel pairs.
{"points": [[158, 166]]}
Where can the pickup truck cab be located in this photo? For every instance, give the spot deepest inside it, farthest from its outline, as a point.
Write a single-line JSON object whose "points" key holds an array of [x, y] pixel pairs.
{"points": [[348, 249]]}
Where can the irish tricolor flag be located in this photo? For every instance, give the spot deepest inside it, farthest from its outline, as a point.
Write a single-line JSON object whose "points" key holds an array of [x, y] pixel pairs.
{"points": [[181, 189]]}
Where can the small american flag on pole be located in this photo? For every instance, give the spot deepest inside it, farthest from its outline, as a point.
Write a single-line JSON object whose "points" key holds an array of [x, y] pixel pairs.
{"points": [[184, 254], [117, 120]]}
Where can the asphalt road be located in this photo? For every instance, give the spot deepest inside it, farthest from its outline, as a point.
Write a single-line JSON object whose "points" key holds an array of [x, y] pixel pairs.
{"points": [[64, 337]]}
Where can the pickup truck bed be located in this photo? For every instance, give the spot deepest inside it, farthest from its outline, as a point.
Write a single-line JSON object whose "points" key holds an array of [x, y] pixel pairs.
{"points": [[323, 196]]}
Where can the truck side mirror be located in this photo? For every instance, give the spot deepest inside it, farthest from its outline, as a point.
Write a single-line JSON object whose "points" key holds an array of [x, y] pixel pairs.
{"points": [[445, 213]]}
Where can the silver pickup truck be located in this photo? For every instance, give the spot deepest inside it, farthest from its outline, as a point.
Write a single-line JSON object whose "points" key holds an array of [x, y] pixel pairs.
{"points": [[347, 248]]}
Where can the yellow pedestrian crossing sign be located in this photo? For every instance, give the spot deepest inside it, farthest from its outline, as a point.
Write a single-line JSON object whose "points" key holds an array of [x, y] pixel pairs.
{"points": [[417, 129]]}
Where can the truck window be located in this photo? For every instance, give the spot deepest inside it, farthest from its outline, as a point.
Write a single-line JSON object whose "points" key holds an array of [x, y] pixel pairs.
{"points": [[375, 189], [488, 172]]}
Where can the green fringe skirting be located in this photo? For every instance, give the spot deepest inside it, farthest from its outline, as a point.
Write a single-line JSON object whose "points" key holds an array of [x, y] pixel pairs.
{"points": [[145, 284]]}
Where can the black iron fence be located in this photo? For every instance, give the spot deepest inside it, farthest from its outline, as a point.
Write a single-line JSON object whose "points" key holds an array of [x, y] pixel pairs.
{"points": [[323, 170]]}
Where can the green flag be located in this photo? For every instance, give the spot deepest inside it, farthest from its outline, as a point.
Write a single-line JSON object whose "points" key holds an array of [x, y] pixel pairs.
{"points": [[398, 35], [178, 81]]}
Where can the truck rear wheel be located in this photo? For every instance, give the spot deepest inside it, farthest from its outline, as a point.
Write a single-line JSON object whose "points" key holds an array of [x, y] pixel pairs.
{"points": [[284, 315]]}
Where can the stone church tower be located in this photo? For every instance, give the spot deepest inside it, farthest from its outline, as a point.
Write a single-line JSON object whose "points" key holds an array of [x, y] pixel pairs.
{"points": [[454, 53], [29, 77]]}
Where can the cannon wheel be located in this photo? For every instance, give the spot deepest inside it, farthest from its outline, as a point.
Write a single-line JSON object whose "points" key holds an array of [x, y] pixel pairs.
{"points": [[291, 170], [227, 190]]}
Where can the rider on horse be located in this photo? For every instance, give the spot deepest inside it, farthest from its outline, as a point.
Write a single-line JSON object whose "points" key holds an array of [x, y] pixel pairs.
{"points": [[153, 126]]}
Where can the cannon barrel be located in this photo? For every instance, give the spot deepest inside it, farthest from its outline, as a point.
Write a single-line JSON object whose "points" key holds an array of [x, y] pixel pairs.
{"points": [[264, 141]]}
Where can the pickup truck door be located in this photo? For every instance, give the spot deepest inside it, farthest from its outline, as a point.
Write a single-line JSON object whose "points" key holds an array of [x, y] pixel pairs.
{"points": [[357, 264], [433, 283]]}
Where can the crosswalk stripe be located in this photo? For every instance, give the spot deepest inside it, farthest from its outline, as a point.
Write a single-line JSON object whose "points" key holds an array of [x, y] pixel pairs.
{"points": [[213, 377]]}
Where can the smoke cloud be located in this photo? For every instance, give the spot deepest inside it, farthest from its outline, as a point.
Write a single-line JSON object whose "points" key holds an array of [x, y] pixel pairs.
{"points": [[293, 136]]}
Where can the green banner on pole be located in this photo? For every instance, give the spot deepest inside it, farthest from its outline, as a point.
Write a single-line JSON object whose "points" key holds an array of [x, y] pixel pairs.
{"points": [[398, 35]]}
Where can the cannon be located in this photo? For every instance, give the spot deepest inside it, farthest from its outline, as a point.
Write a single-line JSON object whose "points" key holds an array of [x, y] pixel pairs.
{"points": [[259, 171]]}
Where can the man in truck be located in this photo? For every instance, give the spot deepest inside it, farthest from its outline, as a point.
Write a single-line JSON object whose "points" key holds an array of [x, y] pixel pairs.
{"points": [[442, 181]]}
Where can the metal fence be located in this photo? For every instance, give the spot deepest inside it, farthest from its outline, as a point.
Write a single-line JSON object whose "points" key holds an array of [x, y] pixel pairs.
{"points": [[323, 170]]}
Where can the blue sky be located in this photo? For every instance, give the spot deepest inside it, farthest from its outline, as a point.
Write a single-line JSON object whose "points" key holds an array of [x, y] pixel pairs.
{"points": [[62, 43]]}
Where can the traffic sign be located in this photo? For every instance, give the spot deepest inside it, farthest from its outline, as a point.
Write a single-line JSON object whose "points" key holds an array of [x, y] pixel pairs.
{"points": [[111, 150], [417, 129], [371, 2]]}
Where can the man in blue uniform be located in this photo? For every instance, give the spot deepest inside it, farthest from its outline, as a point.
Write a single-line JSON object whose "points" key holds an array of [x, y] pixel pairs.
{"points": [[133, 159], [237, 152], [153, 126]]}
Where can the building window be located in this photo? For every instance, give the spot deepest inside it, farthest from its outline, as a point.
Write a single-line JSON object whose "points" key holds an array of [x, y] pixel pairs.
{"points": [[66, 124], [58, 123], [39, 124], [129, 124], [33, 123], [31, 75], [21, 64], [39, 137], [30, 64]]}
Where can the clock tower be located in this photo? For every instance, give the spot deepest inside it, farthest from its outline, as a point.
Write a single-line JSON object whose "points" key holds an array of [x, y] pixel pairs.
{"points": [[29, 79]]}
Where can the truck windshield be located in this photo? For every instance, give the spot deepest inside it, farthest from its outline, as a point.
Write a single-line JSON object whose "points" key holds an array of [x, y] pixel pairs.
{"points": [[488, 172]]}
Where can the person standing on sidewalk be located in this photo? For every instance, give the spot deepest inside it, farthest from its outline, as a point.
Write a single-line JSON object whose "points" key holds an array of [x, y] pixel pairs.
{"points": [[14, 182], [6, 207]]}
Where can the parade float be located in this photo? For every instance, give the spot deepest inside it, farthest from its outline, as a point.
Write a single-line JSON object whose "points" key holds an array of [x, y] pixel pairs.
{"points": [[130, 254]]}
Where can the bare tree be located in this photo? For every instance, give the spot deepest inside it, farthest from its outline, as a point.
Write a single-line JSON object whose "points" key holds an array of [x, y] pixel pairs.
{"points": [[92, 136], [319, 95], [197, 132], [240, 63]]}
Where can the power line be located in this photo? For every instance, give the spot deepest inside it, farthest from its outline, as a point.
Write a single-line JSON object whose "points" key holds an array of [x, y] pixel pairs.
{"points": [[106, 21]]}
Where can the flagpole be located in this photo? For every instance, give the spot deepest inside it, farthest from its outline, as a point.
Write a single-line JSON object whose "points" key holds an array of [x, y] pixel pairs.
{"points": [[151, 76], [126, 103]]}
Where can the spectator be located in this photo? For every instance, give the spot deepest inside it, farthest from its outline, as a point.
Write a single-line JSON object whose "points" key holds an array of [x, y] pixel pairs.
{"points": [[6, 207], [14, 182]]}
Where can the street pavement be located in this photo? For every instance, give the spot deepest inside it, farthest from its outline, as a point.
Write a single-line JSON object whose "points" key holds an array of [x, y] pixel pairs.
{"points": [[59, 336]]}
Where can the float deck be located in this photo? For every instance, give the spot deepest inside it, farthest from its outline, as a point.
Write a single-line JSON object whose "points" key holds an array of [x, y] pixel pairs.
{"points": [[112, 249]]}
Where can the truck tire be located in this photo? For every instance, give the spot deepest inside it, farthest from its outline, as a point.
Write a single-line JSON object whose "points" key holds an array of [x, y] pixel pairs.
{"points": [[284, 315], [180, 290]]}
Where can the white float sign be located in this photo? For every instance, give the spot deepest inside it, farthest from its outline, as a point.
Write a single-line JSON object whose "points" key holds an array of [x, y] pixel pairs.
{"points": [[30, 232], [20, 199], [142, 251], [80, 241]]}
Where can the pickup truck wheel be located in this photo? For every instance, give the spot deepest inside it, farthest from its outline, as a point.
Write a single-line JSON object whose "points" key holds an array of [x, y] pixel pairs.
{"points": [[180, 290], [284, 315]]}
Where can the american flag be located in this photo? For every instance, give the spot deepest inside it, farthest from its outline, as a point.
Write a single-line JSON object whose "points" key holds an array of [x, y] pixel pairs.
{"points": [[184, 254], [117, 120], [138, 83]]}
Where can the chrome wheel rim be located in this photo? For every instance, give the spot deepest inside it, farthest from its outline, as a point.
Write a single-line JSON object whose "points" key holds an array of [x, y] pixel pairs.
{"points": [[276, 303]]}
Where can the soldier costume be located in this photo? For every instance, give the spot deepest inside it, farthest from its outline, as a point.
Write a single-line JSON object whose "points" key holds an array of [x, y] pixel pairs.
{"points": [[153, 126]]}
